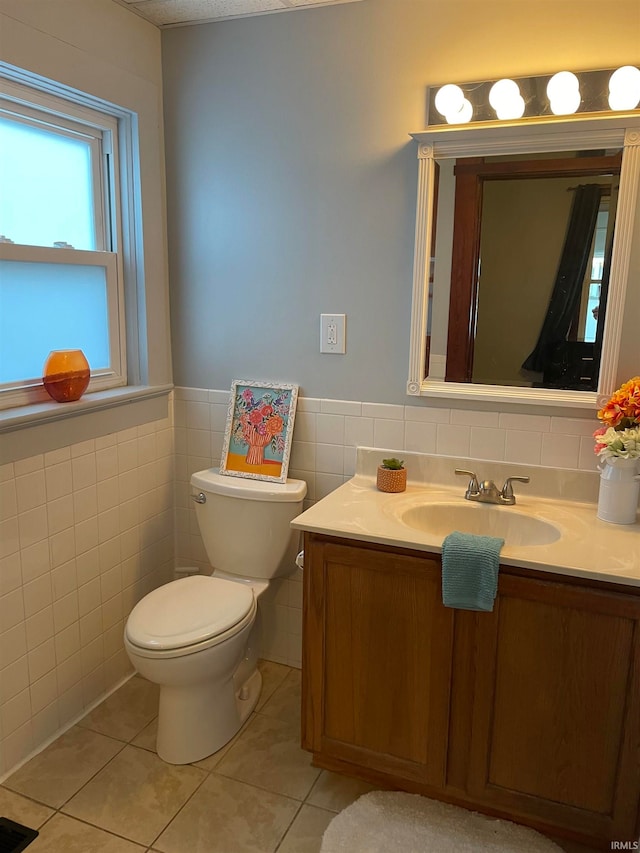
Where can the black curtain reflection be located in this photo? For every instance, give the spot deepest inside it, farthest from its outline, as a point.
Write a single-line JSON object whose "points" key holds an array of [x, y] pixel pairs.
{"points": [[567, 289]]}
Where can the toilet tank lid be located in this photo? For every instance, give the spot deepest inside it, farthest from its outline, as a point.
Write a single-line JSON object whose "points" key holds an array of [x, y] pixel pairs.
{"points": [[211, 480]]}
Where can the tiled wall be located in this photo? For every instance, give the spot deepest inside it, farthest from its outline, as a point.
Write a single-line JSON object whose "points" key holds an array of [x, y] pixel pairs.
{"points": [[326, 435], [85, 532]]}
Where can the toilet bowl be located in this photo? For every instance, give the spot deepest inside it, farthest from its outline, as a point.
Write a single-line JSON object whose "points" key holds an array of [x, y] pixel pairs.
{"points": [[198, 637]]}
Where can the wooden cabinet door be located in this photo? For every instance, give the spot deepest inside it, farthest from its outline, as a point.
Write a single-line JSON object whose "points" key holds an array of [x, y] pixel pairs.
{"points": [[556, 717], [376, 659]]}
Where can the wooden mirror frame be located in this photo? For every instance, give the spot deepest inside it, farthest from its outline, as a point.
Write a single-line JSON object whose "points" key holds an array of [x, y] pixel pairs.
{"points": [[621, 132]]}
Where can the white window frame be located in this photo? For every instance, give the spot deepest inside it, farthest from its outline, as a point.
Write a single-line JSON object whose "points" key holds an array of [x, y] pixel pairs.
{"points": [[107, 129]]}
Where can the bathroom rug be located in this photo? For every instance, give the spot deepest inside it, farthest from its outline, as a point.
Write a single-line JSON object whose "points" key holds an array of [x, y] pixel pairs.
{"points": [[384, 821]]}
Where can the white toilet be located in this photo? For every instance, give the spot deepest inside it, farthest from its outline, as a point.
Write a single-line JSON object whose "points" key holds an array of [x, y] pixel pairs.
{"points": [[197, 637]]}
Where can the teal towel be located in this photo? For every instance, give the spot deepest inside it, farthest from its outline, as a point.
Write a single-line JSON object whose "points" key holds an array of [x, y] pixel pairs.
{"points": [[470, 571]]}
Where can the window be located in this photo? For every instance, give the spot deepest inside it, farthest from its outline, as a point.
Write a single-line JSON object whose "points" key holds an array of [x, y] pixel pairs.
{"points": [[61, 255]]}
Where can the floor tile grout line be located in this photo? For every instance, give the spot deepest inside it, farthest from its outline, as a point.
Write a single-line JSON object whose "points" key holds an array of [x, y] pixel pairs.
{"points": [[286, 832], [197, 788]]}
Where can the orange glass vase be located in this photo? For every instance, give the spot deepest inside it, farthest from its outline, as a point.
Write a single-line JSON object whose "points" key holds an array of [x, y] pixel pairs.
{"points": [[66, 375]]}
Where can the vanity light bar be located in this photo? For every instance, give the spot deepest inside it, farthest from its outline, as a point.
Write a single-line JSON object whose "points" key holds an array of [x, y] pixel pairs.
{"points": [[562, 94]]}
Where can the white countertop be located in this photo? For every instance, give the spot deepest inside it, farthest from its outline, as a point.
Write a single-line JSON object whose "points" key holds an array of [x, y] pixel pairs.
{"points": [[586, 547]]}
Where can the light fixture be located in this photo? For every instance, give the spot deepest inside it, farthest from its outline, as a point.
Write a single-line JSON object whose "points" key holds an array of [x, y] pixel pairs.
{"points": [[521, 98]]}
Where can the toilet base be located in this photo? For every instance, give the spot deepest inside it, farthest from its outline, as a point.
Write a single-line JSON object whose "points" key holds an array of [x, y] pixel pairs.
{"points": [[195, 722]]}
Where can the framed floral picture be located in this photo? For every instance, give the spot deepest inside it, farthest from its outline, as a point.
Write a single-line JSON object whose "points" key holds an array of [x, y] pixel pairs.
{"points": [[257, 438]]}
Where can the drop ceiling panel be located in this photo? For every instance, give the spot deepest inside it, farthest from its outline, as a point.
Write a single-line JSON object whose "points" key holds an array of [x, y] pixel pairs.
{"points": [[168, 13]]}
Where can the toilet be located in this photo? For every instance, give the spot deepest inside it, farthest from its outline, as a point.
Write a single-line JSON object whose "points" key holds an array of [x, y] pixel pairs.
{"points": [[197, 637]]}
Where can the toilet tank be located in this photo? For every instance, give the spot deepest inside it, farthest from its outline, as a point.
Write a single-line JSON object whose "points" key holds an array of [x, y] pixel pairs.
{"points": [[245, 523]]}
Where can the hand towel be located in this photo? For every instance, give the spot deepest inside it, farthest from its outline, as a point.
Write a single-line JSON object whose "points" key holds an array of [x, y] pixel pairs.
{"points": [[470, 571]]}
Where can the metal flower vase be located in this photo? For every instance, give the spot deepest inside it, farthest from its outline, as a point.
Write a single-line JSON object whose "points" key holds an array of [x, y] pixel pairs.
{"points": [[619, 490]]}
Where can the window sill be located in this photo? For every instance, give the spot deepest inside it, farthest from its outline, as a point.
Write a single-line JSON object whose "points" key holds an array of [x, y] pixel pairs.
{"points": [[44, 413]]}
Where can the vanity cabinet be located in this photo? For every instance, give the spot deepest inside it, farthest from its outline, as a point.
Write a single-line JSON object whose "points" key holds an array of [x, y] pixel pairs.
{"points": [[377, 660], [531, 712]]}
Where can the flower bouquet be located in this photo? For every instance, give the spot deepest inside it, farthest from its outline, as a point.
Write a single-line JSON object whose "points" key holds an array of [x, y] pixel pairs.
{"points": [[618, 446], [620, 435]]}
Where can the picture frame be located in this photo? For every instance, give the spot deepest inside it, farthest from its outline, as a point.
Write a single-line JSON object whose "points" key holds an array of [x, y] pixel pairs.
{"points": [[259, 430]]}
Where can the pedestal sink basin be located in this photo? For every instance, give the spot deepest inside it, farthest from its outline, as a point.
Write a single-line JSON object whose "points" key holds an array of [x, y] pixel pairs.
{"points": [[516, 528]]}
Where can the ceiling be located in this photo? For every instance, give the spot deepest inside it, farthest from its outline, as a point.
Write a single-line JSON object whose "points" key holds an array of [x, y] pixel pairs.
{"points": [[177, 13]]}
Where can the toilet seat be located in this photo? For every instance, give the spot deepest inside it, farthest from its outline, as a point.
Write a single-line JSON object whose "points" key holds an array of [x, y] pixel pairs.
{"points": [[189, 615]]}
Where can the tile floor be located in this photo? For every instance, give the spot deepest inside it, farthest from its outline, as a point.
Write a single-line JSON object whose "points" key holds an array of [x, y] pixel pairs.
{"points": [[100, 787]]}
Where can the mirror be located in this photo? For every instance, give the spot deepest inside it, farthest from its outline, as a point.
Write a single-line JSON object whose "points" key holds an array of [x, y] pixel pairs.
{"points": [[522, 250]]}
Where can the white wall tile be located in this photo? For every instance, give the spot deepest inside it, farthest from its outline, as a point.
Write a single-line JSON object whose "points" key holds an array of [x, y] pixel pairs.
{"points": [[65, 612], [420, 437], [388, 434], [62, 547], [198, 415], [487, 443], [358, 432], [453, 439], [539, 423], [329, 458], [9, 536], [341, 407], [37, 594], [83, 471], [471, 417], [60, 514], [8, 500], [426, 414], [26, 466], [43, 692], [15, 712], [107, 462], [14, 679], [86, 535], [13, 644], [303, 456], [39, 627], [382, 410], [32, 526], [58, 480], [330, 429], [560, 451], [11, 609], [54, 457], [304, 428], [523, 446], [308, 404], [42, 660], [35, 560], [31, 490], [83, 448], [10, 573]]}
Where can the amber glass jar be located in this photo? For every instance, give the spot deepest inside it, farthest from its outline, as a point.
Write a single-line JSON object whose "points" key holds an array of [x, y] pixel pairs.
{"points": [[66, 375]]}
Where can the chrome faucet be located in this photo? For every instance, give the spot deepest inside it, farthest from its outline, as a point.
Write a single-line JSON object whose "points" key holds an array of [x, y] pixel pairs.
{"points": [[487, 492]]}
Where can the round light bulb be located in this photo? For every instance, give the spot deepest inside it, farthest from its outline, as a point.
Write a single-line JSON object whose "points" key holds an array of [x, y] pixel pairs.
{"points": [[449, 99], [502, 92], [566, 103], [514, 108], [562, 85], [466, 112], [624, 88], [463, 115]]}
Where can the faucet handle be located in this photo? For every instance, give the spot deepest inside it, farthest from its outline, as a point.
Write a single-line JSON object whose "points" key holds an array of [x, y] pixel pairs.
{"points": [[473, 487], [507, 489]]}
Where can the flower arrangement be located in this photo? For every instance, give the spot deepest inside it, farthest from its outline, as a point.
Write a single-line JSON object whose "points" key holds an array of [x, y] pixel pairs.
{"points": [[620, 435], [261, 422]]}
